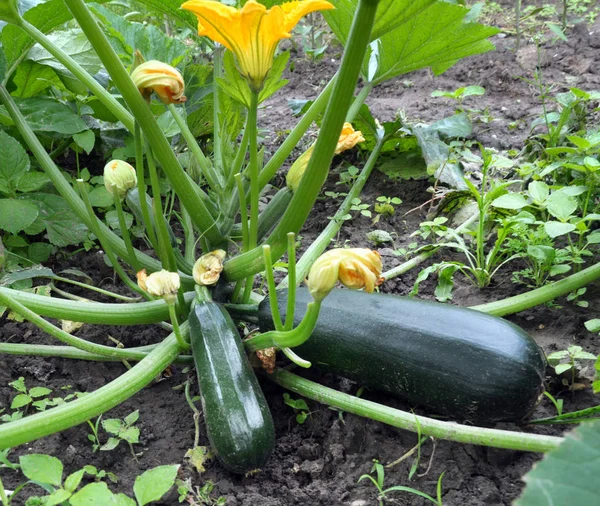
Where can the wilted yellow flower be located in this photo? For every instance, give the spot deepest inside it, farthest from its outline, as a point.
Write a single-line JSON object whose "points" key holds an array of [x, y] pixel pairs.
{"points": [[120, 174], [164, 80], [348, 139], [252, 32], [162, 283], [207, 268], [355, 267]]}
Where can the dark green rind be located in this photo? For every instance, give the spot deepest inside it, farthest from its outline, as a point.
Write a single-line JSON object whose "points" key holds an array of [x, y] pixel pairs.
{"points": [[238, 421], [450, 360]]}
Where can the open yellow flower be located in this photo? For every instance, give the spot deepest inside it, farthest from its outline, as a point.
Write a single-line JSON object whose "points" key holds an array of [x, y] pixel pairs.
{"points": [[355, 268], [252, 32]]}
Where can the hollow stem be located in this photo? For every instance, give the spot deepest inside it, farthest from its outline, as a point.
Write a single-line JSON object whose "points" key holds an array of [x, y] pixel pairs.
{"points": [[287, 339], [183, 344], [253, 169], [291, 297], [271, 285], [243, 212], [414, 423], [125, 230], [318, 167], [320, 244], [99, 233], [94, 312]]}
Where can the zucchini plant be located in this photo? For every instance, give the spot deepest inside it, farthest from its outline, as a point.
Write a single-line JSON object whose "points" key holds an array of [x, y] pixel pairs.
{"points": [[227, 242]]}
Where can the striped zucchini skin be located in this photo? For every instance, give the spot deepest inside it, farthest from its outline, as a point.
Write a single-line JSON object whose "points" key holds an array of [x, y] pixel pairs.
{"points": [[238, 421], [450, 360]]}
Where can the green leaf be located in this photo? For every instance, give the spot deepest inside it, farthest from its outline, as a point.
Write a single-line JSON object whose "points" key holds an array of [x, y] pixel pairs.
{"points": [[14, 161], [173, 9], [9, 11], [59, 496], [455, 126], [111, 444], [32, 79], [568, 474], [593, 325], [36, 392], [561, 205], [415, 34], [32, 181], [16, 215], [99, 197], [472, 90], [510, 201], [73, 480], [112, 425], [131, 435], [539, 191], [75, 44], [48, 115], [85, 140], [560, 368], [62, 225], [42, 468], [20, 400], [556, 228], [132, 417], [94, 494], [33, 272], [154, 483]]}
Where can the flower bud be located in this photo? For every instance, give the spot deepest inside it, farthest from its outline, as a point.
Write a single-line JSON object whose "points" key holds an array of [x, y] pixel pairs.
{"points": [[298, 168], [162, 283], [161, 78], [355, 267], [207, 268], [120, 174]]}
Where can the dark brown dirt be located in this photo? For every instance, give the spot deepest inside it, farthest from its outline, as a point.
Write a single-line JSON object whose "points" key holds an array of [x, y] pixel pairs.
{"points": [[320, 461]]}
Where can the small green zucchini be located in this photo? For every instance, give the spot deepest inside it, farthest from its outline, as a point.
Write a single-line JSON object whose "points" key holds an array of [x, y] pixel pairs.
{"points": [[238, 421], [450, 360]]}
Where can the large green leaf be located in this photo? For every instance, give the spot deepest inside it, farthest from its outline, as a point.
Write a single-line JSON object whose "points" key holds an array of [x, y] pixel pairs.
{"points": [[62, 225], [42, 468], [154, 483], [45, 17], [151, 41], [415, 34], [75, 44], [173, 9], [14, 162], [568, 474], [32, 78], [47, 115], [16, 215]]}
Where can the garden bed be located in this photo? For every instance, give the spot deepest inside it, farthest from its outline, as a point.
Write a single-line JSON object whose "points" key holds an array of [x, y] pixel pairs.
{"points": [[320, 461]]}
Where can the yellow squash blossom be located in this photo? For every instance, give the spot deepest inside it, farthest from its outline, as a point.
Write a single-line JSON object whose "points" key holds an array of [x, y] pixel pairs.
{"points": [[164, 80], [207, 268], [355, 268], [252, 32], [121, 175], [162, 283], [348, 139]]}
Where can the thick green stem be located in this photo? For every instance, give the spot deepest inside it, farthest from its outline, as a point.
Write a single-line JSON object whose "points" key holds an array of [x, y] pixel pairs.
{"points": [[321, 243], [62, 185], [94, 312], [291, 297], [94, 404], [285, 338], [292, 140], [253, 169], [358, 102], [80, 73], [147, 222], [318, 166], [183, 185], [414, 423], [41, 350], [271, 286], [541, 295], [124, 230], [217, 139]]}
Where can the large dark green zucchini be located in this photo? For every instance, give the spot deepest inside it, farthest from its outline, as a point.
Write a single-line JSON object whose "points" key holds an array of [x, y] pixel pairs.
{"points": [[449, 360], [238, 421]]}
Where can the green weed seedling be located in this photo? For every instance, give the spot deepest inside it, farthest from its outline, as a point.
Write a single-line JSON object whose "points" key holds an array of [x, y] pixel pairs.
{"points": [[46, 472], [122, 430], [460, 94], [198, 496], [36, 397], [299, 406], [379, 479], [567, 360], [384, 206]]}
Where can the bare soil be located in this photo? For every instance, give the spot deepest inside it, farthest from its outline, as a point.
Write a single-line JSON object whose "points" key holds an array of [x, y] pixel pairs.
{"points": [[319, 462]]}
